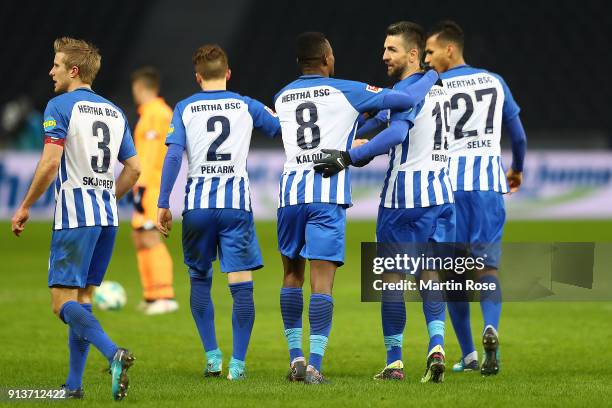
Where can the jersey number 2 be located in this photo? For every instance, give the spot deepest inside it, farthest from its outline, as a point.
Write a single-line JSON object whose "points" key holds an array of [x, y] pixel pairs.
{"points": [[212, 154]]}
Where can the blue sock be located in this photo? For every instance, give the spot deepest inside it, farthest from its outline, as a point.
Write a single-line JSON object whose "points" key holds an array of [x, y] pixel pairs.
{"points": [[79, 349], [434, 309], [292, 305], [490, 302], [393, 313], [243, 317], [203, 311], [320, 313], [87, 327], [459, 312]]}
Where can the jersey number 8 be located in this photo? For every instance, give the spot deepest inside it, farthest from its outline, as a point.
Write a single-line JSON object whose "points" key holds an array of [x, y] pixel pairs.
{"points": [[315, 132]]}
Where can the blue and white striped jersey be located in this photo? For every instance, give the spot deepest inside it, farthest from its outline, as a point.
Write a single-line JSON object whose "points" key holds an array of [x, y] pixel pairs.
{"points": [[317, 113], [480, 103], [215, 129], [418, 172], [95, 135]]}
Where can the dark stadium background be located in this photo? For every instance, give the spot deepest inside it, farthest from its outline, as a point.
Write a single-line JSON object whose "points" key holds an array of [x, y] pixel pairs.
{"points": [[554, 55]]}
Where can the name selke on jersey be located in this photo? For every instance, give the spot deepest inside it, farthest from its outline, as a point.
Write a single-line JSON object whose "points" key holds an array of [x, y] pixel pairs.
{"points": [[318, 113], [215, 129], [418, 170], [480, 103], [95, 135]]}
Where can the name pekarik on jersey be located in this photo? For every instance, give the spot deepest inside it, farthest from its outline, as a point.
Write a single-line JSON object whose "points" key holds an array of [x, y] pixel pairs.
{"points": [[215, 129]]}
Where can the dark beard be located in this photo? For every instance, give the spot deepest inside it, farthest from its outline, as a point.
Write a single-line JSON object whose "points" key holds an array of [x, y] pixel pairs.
{"points": [[396, 73]]}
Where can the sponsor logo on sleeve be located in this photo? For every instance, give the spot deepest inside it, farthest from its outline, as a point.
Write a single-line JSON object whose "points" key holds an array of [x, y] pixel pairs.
{"points": [[373, 89], [49, 123], [171, 130]]}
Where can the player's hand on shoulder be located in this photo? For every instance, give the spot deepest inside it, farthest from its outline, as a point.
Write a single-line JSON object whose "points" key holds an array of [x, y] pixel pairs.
{"points": [[164, 221], [358, 142], [514, 178], [334, 162], [19, 220]]}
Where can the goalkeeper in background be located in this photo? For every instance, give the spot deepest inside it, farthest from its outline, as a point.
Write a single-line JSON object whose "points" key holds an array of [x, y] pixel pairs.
{"points": [[154, 261]]}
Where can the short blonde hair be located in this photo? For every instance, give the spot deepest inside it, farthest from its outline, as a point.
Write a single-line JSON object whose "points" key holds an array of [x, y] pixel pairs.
{"points": [[210, 61], [81, 54]]}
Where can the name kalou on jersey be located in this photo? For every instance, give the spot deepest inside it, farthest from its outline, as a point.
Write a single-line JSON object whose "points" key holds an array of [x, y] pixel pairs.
{"points": [[318, 113]]}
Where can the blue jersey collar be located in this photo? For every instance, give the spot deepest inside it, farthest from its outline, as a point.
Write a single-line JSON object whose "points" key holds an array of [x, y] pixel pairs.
{"points": [[84, 89], [311, 76], [459, 67]]}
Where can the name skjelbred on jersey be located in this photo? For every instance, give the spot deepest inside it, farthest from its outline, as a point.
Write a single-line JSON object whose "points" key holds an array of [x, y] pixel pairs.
{"points": [[95, 135]]}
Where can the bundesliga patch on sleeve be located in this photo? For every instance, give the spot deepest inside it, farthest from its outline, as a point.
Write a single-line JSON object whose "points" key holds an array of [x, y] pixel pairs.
{"points": [[373, 89], [49, 123], [270, 111]]}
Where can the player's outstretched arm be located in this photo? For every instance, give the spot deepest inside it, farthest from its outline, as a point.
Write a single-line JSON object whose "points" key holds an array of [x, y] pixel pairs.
{"points": [[373, 123], [46, 171], [170, 171], [514, 175], [128, 176], [337, 160], [412, 95]]}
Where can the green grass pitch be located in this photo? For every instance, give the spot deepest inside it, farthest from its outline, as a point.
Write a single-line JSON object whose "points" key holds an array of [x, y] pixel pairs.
{"points": [[553, 354]]}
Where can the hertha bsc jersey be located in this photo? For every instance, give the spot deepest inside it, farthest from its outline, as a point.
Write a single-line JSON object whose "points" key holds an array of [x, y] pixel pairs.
{"points": [[215, 129], [319, 113], [480, 103], [418, 172], [95, 135]]}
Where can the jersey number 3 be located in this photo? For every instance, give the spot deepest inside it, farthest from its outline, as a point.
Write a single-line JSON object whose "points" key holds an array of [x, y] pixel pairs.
{"points": [[96, 128]]}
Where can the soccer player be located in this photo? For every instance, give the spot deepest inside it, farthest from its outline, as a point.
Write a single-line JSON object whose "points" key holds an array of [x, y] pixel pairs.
{"points": [[416, 199], [318, 115], [154, 261], [481, 103], [214, 126], [417, 192], [85, 136]]}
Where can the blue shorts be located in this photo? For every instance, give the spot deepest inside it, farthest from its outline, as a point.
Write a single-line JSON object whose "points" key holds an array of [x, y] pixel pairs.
{"points": [[425, 224], [414, 230], [79, 256], [230, 231], [312, 231], [480, 223]]}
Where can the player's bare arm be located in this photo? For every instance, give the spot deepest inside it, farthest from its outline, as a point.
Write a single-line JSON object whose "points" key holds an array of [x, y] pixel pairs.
{"points": [[164, 221], [46, 171], [515, 178], [128, 176]]}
